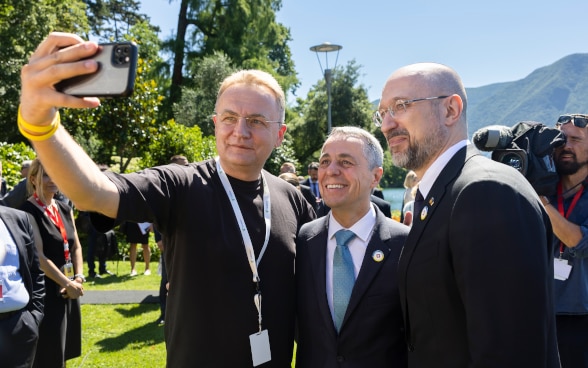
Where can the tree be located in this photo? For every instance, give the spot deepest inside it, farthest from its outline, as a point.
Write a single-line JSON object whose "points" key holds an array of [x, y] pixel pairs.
{"points": [[177, 139], [111, 19], [199, 94], [23, 25], [349, 105], [245, 30]]}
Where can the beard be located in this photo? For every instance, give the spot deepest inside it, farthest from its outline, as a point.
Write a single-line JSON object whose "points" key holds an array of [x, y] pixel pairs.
{"points": [[568, 167], [420, 153]]}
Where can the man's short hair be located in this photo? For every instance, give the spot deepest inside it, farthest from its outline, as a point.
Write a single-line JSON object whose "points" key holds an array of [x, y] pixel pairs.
{"points": [[313, 166]]}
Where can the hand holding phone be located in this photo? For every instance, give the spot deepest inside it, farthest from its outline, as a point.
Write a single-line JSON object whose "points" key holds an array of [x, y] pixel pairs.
{"points": [[115, 77]]}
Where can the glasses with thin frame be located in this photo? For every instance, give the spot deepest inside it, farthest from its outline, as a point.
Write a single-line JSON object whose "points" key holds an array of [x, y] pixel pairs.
{"points": [[254, 122], [578, 120], [398, 107]]}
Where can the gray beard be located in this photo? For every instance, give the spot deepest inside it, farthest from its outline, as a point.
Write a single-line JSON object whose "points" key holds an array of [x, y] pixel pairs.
{"points": [[419, 154]]}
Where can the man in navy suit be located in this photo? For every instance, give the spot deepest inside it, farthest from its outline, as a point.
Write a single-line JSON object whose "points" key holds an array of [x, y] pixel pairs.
{"points": [[476, 272], [364, 330]]}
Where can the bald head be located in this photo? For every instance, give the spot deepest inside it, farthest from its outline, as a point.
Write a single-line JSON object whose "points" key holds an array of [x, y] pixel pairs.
{"points": [[435, 80]]}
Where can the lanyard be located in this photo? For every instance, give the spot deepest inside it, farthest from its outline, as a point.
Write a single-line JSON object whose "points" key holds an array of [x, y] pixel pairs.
{"points": [[244, 233], [57, 221], [560, 208]]}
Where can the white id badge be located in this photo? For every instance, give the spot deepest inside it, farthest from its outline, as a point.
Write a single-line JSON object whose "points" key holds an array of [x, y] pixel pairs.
{"points": [[561, 269], [260, 348]]}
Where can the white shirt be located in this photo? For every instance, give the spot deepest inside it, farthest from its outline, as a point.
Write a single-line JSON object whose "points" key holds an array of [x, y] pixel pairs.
{"points": [[363, 230], [438, 165]]}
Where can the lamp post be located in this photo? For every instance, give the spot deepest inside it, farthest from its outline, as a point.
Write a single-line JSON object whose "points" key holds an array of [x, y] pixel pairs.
{"points": [[327, 47]]}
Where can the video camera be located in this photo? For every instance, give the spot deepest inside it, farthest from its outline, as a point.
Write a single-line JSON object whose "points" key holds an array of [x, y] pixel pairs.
{"points": [[528, 147]]}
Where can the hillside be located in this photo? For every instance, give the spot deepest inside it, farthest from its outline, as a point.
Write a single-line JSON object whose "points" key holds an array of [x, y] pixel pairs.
{"points": [[542, 96]]}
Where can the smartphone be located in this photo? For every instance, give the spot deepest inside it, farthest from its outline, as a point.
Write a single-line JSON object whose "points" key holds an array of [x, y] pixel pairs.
{"points": [[115, 77]]}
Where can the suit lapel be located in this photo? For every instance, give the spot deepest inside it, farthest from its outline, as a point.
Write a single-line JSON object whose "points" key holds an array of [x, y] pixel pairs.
{"points": [[420, 221], [369, 267], [317, 251]]}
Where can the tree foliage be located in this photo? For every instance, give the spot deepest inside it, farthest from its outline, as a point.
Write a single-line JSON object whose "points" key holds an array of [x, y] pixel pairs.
{"points": [[23, 25], [199, 93], [245, 30], [11, 156], [349, 106]]}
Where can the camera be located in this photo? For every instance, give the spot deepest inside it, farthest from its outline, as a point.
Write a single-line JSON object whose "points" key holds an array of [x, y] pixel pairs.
{"points": [[528, 147]]}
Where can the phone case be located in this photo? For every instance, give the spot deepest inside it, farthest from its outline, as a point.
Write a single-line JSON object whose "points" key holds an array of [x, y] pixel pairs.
{"points": [[115, 77]]}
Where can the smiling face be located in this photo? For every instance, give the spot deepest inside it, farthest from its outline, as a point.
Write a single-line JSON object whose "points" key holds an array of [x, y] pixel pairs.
{"points": [[243, 150], [345, 179]]}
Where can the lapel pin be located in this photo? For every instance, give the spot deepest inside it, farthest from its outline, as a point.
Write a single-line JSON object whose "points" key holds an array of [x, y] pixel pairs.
{"points": [[378, 256], [424, 213], [432, 201]]}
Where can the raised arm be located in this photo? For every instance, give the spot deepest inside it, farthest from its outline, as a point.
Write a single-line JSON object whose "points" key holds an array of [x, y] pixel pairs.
{"points": [[74, 172]]}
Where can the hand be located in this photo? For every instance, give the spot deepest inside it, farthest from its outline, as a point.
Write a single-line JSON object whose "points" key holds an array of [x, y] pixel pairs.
{"points": [[72, 290], [56, 58], [407, 218]]}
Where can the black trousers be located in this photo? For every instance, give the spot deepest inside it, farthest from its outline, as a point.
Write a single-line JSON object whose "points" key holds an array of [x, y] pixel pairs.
{"points": [[572, 340], [18, 339]]}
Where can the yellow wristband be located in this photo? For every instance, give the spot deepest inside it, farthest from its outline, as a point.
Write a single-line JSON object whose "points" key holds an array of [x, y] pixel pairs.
{"points": [[53, 128], [36, 128]]}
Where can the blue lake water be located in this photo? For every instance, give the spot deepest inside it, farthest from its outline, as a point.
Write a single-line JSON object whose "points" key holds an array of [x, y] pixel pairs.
{"points": [[394, 196]]}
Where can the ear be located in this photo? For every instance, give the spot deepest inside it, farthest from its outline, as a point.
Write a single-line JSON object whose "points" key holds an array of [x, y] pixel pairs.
{"points": [[453, 109], [281, 133], [378, 172]]}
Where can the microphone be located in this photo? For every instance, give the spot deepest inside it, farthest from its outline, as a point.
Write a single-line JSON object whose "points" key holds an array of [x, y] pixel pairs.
{"points": [[493, 137]]}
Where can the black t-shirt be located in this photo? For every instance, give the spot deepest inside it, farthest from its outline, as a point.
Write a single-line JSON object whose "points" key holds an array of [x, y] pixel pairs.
{"points": [[210, 311]]}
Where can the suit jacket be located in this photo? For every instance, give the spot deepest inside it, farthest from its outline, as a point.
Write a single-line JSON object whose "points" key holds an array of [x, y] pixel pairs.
{"points": [[309, 196], [372, 333], [19, 334], [476, 272]]}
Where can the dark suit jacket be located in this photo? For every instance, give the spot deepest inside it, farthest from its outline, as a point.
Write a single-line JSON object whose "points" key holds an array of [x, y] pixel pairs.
{"points": [[371, 334], [476, 273], [309, 196], [18, 338]]}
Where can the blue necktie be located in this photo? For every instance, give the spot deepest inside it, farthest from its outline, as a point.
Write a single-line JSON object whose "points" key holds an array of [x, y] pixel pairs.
{"points": [[343, 275], [316, 190]]}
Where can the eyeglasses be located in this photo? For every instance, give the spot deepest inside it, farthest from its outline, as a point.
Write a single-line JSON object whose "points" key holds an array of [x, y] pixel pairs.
{"points": [[256, 122], [398, 107], [578, 120]]}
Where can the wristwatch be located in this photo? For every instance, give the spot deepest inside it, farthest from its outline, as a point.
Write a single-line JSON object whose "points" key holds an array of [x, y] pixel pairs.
{"points": [[81, 276]]}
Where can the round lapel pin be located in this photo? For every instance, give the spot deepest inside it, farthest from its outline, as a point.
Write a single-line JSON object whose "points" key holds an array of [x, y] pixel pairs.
{"points": [[424, 213], [378, 256]]}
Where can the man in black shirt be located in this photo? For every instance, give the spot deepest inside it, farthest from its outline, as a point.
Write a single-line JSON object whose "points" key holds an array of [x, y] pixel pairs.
{"points": [[229, 238]]}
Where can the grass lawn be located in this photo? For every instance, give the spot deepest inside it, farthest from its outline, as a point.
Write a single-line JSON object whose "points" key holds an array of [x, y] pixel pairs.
{"points": [[122, 335]]}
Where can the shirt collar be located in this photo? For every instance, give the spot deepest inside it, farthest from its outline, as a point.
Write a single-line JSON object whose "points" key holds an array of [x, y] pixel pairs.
{"points": [[438, 165], [361, 228]]}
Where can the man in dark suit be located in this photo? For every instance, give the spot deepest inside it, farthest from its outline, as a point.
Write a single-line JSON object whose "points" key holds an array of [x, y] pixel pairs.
{"points": [[476, 272], [21, 294], [363, 328], [312, 180]]}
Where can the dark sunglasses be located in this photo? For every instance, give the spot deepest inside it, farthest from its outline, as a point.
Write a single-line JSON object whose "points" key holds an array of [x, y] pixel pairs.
{"points": [[578, 121]]}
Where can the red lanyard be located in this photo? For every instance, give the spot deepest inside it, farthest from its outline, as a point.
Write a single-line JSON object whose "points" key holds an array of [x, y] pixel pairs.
{"points": [[560, 207], [57, 221]]}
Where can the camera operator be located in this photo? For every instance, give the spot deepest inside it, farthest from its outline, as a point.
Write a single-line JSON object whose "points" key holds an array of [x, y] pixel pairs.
{"points": [[568, 211]]}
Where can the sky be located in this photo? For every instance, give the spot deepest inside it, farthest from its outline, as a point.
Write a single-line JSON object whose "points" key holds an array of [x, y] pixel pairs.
{"points": [[486, 42]]}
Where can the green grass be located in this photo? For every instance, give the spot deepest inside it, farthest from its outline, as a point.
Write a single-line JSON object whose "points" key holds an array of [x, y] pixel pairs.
{"points": [[122, 335]]}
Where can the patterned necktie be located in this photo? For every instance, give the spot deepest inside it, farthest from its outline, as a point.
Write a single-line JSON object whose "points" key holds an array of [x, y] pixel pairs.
{"points": [[343, 275], [419, 202]]}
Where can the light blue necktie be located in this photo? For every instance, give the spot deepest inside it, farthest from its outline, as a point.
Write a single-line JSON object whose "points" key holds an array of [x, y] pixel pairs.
{"points": [[343, 275]]}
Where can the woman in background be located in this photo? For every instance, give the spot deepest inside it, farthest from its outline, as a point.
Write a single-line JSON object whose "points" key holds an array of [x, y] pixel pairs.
{"points": [[60, 256]]}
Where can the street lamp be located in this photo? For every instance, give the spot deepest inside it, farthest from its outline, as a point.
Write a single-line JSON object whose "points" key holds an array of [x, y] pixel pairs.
{"points": [[327, 47]]}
